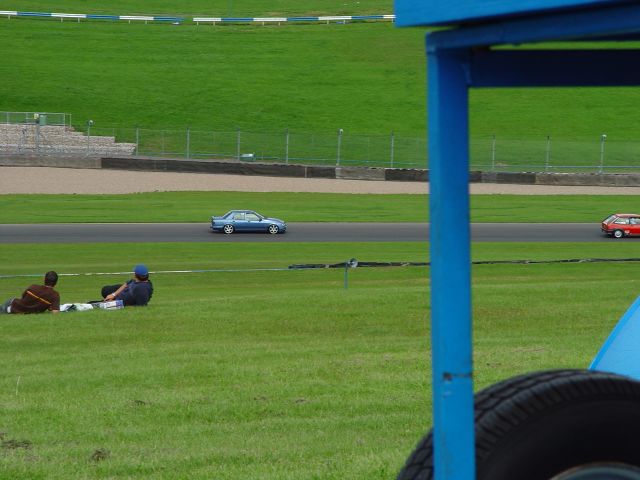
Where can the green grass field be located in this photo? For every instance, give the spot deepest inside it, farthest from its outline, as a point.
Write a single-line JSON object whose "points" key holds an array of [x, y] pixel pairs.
{"points": [[191, 8], [364, 78], [177, 207], [275, 375]]}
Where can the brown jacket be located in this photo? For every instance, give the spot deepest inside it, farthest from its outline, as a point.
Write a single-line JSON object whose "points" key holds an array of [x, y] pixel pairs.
{"points": [[37, 299]]}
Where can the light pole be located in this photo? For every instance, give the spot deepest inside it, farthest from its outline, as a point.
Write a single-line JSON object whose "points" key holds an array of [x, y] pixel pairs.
{"points": [[493, 152], [548, 154], [340, 132], [603, 139], [89, 124]]}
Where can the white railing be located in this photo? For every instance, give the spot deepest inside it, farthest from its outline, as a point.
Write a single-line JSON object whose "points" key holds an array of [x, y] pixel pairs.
{"points": [[198, 20]]}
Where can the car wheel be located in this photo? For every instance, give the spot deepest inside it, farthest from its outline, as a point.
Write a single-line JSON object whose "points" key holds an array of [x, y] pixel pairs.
{"points": [[228, 229], [273, 229], [559, 425], [618, 233]]}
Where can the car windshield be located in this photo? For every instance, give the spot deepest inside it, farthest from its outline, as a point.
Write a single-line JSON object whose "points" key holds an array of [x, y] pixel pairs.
{"points": [[609, 219]]}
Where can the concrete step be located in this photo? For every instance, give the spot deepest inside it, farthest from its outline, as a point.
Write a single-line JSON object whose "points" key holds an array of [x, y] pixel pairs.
{"points": [[54, 138]]}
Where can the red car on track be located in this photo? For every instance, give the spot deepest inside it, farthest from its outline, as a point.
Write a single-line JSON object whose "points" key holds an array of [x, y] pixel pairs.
{"points": [[620, 225]]}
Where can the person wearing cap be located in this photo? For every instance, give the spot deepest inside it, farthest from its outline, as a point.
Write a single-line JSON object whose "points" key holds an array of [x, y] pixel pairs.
{"points": [[135, 292], [36, 298]]}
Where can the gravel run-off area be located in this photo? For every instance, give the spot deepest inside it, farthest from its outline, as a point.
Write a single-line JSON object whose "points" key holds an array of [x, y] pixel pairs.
{"points": [[96, 181]]}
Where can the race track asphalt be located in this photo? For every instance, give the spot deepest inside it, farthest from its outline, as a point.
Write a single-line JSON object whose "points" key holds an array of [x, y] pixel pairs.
{"points": [[296, 232]]}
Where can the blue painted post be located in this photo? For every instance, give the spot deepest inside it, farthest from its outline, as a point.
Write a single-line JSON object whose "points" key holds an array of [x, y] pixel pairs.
{"points": [[454, 444]]}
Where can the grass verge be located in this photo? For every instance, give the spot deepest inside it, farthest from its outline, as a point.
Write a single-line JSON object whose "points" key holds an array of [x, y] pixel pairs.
{"points": [[318, 207], [275, 375]]}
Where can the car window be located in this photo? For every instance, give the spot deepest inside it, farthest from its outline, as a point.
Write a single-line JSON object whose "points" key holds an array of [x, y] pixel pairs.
{"points": [[228, 215], [238, 216], [252, 217], [622, 221], [634, 221], [609, 219]]}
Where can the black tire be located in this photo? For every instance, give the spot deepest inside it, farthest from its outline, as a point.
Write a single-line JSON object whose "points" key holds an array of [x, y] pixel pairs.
{"points": [[273, 229], [618, 233], [541, 425], [228, 229]]}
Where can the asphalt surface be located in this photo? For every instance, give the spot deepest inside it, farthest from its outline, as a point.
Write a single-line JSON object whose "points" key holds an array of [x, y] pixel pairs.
{"points": [[296, 232]]}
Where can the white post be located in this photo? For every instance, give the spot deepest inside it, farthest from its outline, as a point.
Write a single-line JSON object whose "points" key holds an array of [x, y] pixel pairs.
{"points": [[340, 132]]}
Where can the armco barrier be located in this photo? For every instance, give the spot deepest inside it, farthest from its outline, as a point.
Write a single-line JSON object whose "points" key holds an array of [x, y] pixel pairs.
{"points": [[198, 20], [233, 167], [90, 16], [278, 20]]}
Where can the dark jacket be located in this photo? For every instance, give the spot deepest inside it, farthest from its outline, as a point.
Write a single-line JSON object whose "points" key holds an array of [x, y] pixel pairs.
{"points": [[136, 293]]}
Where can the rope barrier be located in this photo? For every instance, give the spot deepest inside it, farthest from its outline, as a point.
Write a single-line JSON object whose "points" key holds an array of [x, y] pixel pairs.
{"points": [[314, 266]]}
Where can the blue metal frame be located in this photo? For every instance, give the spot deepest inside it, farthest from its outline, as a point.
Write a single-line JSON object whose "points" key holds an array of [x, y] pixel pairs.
{"points": [[459, 59], [451, 334], [439, 12]]}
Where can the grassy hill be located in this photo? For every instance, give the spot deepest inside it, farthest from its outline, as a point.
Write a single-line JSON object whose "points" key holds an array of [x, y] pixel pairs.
{"points": [[366, 78], [229, 8]]}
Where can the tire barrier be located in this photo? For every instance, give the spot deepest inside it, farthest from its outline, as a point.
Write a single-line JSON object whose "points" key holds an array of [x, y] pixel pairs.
{"points": [[562, 424]]}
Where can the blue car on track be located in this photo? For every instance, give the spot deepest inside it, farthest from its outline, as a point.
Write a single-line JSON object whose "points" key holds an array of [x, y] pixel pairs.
{"points": [[246, 221]]}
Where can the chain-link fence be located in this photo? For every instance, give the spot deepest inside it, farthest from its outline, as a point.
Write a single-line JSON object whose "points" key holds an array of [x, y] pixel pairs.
{"points": [[39, 118], [52, 134], [597, 154], [284, 147]]}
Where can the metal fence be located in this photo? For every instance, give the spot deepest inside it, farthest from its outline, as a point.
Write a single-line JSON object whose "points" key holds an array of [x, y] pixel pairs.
{"points": [[596, 154], [280, 147], [36, 135], [40, 118]]}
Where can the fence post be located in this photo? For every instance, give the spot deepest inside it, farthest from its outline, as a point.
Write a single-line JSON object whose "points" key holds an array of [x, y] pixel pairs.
{"points": [[493, 152], [238, 144], [89, 123], [393, 141], [286, 147], [37, 139], [340, 132], [548, 154], [603, 139], [188, 142], [137, 141]]}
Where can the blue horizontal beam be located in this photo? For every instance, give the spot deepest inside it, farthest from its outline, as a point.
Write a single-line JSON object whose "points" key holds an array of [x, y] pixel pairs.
{"points": [[554, 68], [452, 12], [33, 14], [606, 21], [102, 17], [168, 19]]}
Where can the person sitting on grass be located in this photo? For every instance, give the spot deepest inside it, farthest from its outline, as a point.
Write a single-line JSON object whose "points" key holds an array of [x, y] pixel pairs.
{"points": [[135, 292], [36, 298]]}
